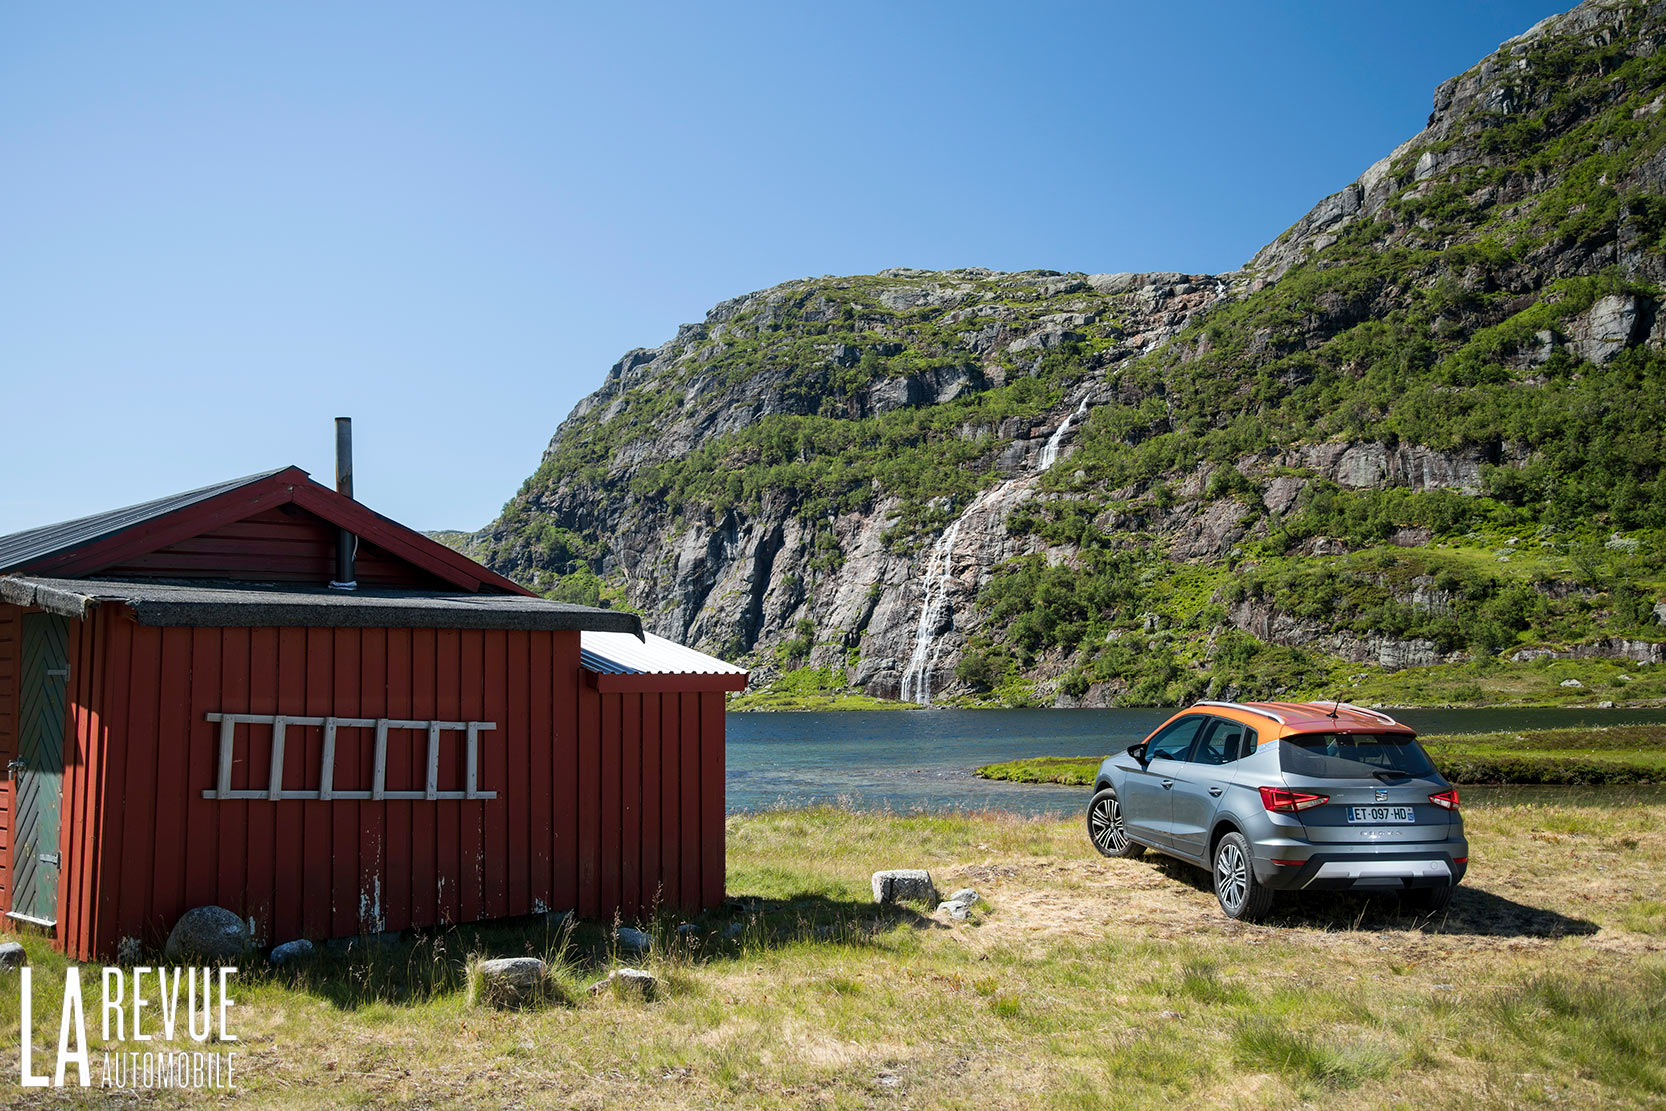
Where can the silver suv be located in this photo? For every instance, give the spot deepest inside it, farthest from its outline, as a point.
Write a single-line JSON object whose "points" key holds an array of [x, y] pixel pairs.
{"points": [[1286, 796]]}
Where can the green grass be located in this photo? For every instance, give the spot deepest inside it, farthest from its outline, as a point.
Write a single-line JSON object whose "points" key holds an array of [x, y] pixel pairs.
{"points": [[1590, 756], [1084, 982], [1072, 771], [1594, 756], [812, 688]]}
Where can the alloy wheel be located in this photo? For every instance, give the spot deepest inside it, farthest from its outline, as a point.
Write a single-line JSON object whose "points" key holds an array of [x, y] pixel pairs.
{"points": [[1231, 876], [1107, 830]]}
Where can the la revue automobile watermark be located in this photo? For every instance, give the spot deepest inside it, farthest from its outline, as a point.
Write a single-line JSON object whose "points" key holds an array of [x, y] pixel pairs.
{"points": [[161, 1028]]}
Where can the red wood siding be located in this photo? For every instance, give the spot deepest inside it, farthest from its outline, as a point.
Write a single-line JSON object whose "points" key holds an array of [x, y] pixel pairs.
{"points": [[86, 877], [650, 791], [601, 821], [282, 544], [9, 646]]}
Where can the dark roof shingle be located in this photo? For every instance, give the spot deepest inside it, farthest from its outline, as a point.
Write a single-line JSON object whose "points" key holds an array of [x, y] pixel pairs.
{"points": [[22, 548], [263, 604]]}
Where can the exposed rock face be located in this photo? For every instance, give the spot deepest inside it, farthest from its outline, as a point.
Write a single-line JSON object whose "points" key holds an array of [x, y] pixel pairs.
{"points": [[835, 472], [1268, 624], [1361, 466], [1637, 651], [1611, 325]]}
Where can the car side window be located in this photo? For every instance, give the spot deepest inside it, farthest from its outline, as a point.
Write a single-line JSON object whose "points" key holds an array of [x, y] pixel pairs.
{"points": [[1212, 746], [1224, 742], [1174, 741], [1219, 743]]}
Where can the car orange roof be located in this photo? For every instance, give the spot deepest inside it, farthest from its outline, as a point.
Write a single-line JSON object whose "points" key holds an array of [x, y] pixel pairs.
{"points": [[1273, 720]]}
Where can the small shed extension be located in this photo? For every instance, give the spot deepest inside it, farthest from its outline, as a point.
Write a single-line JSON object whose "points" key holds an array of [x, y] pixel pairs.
{"points": [[661, 784], [190, 715]]}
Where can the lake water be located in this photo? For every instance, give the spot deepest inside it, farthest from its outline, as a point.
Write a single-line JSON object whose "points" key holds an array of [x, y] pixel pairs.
{"points": [[923, 759]]}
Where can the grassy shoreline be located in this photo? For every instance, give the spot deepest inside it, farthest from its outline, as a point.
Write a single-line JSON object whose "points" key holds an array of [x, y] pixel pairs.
{"points": [[1478, 684], [1590, 756], [1079, 982]]}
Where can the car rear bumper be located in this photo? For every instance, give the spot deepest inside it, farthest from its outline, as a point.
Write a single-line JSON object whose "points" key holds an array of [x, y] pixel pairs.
{"points": [[1306, 867]]}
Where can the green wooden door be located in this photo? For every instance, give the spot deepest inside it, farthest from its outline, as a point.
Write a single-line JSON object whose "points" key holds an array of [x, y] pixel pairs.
{"points": [[39, 782]]}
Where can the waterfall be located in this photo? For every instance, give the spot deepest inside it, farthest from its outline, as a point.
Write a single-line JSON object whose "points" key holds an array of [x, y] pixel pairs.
{"points": [[1050, 452], [934, 584], [916, 680]]}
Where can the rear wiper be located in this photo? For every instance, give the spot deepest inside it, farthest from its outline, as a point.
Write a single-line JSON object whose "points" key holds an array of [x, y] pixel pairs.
{"points": [[1386, 776]]}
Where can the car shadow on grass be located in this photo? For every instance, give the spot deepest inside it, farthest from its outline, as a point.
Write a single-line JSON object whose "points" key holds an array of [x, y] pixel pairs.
{"points": [[420, 965], [1474, 911]]}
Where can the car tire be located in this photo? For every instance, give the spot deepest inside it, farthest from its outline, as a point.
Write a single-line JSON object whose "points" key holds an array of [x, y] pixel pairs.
{"points": [[1240, 894], [1105, 828], [1428, 900]]}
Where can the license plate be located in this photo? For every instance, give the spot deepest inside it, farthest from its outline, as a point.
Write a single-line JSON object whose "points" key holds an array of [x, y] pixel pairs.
{"points": [[1379, 814]]}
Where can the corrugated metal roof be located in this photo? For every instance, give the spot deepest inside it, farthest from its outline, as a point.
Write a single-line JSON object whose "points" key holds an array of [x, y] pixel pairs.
{"points": [[623, 654], [25, 547]]}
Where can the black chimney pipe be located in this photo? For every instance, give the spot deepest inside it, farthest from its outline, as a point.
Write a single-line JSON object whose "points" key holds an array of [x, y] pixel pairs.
{"points": [[347, 544]]}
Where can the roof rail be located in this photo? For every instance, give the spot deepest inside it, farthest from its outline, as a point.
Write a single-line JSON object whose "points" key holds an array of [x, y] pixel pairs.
{"points": [[1382, 717], [1246, 709]]}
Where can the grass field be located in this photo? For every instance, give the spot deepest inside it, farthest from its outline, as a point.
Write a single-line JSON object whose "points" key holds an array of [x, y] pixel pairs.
{"points": [[1589, 756], [1079, 982]]}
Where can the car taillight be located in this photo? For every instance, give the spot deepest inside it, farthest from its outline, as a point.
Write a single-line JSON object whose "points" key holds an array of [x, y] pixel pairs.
{"points": [[1446, 800], [1286, 801]]}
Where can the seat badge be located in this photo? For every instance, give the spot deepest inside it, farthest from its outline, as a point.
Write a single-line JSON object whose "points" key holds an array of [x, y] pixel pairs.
{"points": [[1382, 795]]}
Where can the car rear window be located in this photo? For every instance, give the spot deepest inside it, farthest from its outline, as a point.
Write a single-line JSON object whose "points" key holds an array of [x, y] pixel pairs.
{"points": [[1352, 755]]}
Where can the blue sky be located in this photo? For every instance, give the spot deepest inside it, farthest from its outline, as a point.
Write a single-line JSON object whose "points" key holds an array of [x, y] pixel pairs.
{"points": [[224, 225]]}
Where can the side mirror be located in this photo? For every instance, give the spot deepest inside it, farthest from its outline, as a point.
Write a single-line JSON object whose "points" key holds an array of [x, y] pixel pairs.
{"points": [[1138, 752]]}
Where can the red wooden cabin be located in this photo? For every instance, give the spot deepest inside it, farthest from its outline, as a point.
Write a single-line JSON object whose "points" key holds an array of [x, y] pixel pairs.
{"points": [[190, 715]]}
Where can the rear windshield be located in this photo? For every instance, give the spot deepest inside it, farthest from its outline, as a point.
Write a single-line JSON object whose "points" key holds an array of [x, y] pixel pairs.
{"points": [[1352, 755]]}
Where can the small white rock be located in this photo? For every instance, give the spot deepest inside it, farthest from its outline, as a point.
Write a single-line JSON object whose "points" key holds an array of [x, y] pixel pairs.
{"points": [[899, 884], [509, 982], [635, 980]]}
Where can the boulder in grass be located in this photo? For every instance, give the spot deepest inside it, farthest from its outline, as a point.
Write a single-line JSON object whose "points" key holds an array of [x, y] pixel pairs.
{"points": [[957, 910], [290, 951], [12, 955], [632, 940], [629, 981], [213, 935], [967, 895], [508, 983], [898, 885]]}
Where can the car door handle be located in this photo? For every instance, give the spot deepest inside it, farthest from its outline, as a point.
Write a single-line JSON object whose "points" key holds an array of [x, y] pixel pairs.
{"points": [[1216, 791], [1167, 783]]}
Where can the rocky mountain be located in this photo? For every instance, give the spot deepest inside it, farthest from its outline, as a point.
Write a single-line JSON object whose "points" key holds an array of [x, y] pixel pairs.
{"points": [[1419, 434]]}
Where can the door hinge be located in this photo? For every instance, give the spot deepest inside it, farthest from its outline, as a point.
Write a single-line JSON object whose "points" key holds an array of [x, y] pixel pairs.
{"points": [[15, 766], [49, 858]]}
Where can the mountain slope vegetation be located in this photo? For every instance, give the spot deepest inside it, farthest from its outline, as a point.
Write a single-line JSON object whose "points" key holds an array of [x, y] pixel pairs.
{"points": [[1412, 451]]}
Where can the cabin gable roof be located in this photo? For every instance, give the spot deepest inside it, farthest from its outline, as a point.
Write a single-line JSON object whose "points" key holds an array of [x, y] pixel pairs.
{"points": [[88, 545]]}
